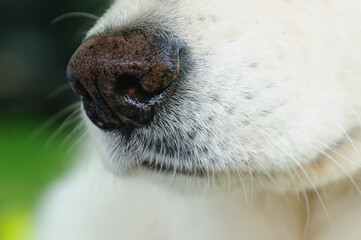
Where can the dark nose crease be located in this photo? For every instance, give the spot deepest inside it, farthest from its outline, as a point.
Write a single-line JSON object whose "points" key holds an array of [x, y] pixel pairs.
{"points": [[124, 78]]}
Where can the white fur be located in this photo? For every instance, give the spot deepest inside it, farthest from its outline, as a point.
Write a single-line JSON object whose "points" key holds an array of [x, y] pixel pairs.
{"points": [[269, 108]]}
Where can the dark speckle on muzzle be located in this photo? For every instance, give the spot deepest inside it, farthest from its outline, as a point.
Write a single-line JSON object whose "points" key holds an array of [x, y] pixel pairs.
{"points": [[124, 78]]}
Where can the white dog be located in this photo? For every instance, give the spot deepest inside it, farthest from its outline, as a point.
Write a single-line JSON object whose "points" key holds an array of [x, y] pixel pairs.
{"points": [[216, 120]]}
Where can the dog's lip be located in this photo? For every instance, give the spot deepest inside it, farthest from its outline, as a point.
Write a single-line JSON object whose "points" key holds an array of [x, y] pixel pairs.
{"points": [[152, 165], [169, 169]]}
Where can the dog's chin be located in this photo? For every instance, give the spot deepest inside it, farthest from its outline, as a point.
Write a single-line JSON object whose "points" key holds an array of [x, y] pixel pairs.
{"points": [[190, 182], [317, 173], [195, 181], [331, 164], [152, 168]]}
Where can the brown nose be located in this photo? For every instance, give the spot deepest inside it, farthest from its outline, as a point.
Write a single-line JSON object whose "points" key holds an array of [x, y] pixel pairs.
{"points": [[124, 78]]}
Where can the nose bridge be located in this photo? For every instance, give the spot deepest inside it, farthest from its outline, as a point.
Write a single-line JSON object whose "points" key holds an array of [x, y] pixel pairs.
{"points": [[123, 72]]}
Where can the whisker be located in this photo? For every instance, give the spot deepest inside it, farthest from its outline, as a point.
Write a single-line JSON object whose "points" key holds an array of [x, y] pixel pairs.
{"points": [[67, 122], [309, 179], [228, 180], [208, 183], [51, 120], [252, 187], [77, 142], [326, 146], [213, 176], [239, 175], [56, 92], [308, 215], [74, 14], [347, 136], [276, 186], [335, 161], [77, 128], [355, 113], [313, 186], [344, 170], [172, 179], [242, 183]]}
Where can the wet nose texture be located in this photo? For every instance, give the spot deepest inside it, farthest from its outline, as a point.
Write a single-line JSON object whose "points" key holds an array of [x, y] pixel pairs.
{"points": [[124, 78]]}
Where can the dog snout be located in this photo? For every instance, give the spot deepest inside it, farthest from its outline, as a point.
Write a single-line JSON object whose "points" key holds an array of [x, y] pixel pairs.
{"points": [[123, 78]]}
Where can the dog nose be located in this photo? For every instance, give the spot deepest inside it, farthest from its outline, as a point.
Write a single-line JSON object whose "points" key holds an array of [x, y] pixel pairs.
{"points": [[123, 78]]}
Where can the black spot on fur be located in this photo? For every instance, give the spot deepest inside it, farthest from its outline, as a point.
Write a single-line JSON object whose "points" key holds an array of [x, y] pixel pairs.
{"points": [[205, 150], [230, 110], [245, 122], [253, 65], [215, 98], [249, 96], [192, 134]]}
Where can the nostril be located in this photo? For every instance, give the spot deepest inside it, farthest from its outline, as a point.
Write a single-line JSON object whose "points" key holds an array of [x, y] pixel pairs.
{"points": [[125, 82], [124, 78], [129, 88], [77, 86]]}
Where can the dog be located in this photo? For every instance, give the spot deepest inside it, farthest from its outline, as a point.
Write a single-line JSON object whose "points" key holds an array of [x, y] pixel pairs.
{"points": [[215, 120]]}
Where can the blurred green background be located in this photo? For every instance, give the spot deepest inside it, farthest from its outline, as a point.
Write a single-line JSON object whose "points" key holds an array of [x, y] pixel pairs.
{"points": [[35, 148]]}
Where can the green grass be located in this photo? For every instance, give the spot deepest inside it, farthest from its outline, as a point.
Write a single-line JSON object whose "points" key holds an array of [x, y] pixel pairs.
{"points": [[28, 165]]}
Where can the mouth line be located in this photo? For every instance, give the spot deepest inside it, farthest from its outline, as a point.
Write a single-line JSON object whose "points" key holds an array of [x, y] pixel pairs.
{"points": [[166, 169]]}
